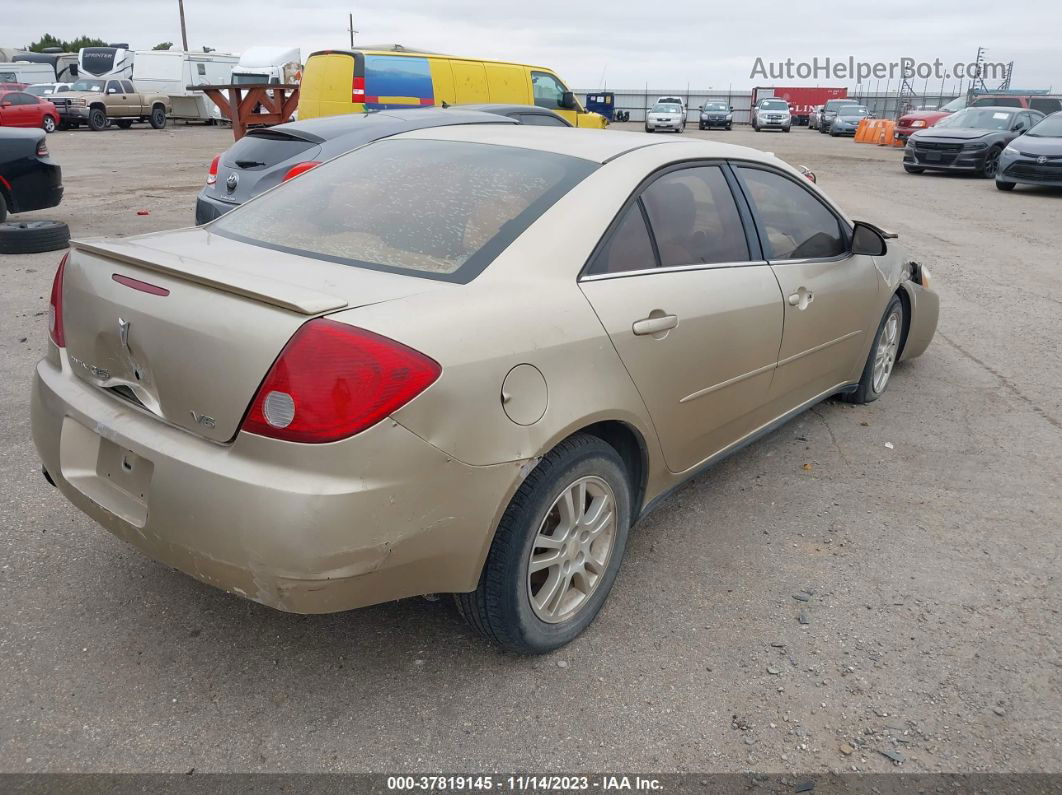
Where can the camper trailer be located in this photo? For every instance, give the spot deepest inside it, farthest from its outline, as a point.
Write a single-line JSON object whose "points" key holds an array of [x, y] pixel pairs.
{"points": [[63, 64], [21, 72], [170, 72], [267, 65], [114, 61]]}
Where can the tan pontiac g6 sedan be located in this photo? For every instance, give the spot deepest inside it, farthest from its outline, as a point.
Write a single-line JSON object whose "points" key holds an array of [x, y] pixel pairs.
{"points": [[464, 360]]}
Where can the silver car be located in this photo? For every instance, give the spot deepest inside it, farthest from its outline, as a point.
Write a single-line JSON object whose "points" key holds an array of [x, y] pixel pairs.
{"points": [[772, 114], [665, 116]]}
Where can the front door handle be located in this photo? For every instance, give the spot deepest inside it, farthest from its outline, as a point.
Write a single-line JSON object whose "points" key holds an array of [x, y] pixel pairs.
{"points": [[654, 325], [801, 298]]}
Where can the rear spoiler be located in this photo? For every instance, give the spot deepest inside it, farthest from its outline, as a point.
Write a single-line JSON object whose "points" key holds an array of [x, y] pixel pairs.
{"points": [[285, 295]]}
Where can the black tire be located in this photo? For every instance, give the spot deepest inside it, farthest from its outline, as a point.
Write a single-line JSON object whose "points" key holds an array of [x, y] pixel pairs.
{"points": [[647, 129], [866, 393], [700, 126], [158, 118], [913, 169], [991, 164], [729, 127], [1000, 185], [500, 607], [124, 124], [3, 208], [786, 129], [32, 237], [681, 129], [97, 119], [62, 126], [48, 124]]}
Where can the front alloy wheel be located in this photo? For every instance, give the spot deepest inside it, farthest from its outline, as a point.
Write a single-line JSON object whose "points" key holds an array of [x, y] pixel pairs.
{"points": [[991, 165], [883, 356], [48, 124]]}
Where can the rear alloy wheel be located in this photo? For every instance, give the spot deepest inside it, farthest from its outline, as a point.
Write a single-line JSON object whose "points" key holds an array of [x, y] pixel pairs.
{"points": [[48, 124], [556, 552], [1001, 185], [97, 119], [158, 118], [991, 166], [883, 355], [32, 237]]}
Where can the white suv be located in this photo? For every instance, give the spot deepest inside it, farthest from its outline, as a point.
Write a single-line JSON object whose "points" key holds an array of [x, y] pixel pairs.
{"points": [[772, 113]]}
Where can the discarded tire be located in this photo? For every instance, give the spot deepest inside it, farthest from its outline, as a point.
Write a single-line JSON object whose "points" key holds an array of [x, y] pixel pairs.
{"points": [[31, 237]]}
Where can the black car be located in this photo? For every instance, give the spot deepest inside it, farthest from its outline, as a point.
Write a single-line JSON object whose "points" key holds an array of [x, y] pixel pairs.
{"points": [[267, 156], [29, 180], [716, 114], [970, 140]]}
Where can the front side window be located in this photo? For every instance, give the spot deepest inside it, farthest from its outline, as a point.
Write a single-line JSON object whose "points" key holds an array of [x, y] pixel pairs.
{"points": [[694, 218], [796, 224], [114, 87], [548, 90], [999, 102], [437, 209], [629, 248]]}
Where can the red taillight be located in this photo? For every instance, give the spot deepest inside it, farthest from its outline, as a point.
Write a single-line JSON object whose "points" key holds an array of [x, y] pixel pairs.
{"points": [[212, 175], [332, 381], [42, 148], [55, 306], [300, 168], [357, 89]]}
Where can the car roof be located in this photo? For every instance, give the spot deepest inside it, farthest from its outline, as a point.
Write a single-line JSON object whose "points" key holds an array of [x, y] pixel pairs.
{"points": [[599, 146], [375, 123]]}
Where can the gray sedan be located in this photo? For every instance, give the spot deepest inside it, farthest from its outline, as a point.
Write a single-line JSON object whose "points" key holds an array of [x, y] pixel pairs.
{"points": [[847, 119], [1034, 158], [266, 156]]}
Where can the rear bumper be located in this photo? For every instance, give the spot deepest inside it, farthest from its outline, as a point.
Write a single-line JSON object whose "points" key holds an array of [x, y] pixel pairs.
{"points": [[207, 209], [301, 528], [38, 188]]}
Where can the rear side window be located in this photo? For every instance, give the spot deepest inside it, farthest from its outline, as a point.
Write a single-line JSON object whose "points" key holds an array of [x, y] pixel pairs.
{"points": [[694, 218], [629, 248], [796, 224], [1045, 104], [264, 148], [438, 209], [127, 87]]}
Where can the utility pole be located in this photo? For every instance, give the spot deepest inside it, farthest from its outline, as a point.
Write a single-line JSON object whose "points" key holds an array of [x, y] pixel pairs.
{"points": [[184, 31]]}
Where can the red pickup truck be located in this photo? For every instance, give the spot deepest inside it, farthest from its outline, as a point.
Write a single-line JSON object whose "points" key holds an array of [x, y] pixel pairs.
{"points": [[915, 120]]}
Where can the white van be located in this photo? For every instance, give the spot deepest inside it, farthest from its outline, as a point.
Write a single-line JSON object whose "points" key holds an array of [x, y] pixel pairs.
{"points": [[267, 65], [170, 72], [29, 73]]}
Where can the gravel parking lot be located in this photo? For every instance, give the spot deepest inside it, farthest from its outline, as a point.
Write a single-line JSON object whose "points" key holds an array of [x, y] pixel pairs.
{"points": [[918, 537]]}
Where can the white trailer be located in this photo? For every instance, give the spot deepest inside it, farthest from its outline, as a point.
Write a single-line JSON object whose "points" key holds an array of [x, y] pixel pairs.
{"points": [[170, 72], [267, 65], [29, 73]]}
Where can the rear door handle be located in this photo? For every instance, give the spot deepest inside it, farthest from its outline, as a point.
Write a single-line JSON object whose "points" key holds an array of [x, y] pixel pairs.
{"points": [[654, 325]]}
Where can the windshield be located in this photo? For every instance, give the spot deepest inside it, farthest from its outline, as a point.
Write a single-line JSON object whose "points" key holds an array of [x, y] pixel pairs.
{"points": [[88, 85], [836, 104], [1051, 127], [956, 104], [40, 91], [852, 110], [666, 107], [717, 106], [774, 104], [438, 209], [248, 79], [978, 119]]}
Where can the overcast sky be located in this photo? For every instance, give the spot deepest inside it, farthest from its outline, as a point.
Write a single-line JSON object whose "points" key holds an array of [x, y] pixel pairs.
{"points": [[625, 45]]}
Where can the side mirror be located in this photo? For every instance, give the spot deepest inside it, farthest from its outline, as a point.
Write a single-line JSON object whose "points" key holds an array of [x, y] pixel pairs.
{"points": [[869, 240], [567, 100]]}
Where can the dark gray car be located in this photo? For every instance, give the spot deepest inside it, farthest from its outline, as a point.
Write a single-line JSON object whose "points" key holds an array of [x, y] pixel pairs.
{"points": [[1034, 158], [265, 156]]}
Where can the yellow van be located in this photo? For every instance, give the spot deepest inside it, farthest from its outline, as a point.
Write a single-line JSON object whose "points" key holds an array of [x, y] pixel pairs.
{"points": [[352, 81]]}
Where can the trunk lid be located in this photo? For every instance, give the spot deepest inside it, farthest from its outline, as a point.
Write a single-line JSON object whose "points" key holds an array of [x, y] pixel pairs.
{"points": [[186, 324]]}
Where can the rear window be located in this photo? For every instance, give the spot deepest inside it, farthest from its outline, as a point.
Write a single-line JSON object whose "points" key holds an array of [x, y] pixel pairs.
{"points": [[437, 209], [263, 148]]}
